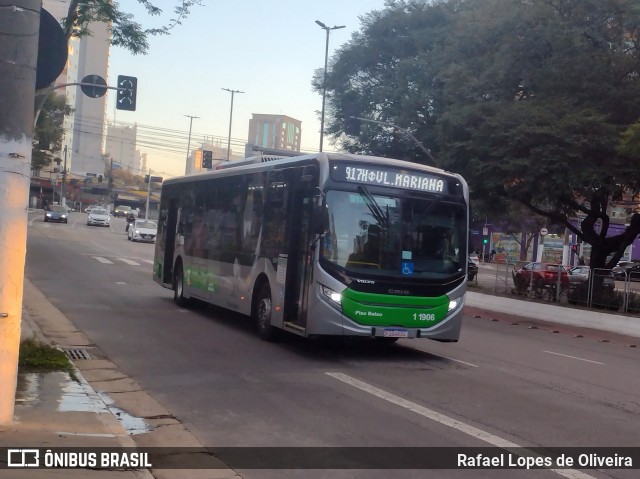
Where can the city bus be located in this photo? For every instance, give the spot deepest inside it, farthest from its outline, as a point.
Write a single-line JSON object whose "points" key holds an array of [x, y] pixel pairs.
{"points": [[323, 244]]}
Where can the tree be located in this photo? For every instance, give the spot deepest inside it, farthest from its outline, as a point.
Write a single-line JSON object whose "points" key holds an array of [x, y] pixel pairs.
{"points": [[19, 24], [48, 132], [535, 102]]}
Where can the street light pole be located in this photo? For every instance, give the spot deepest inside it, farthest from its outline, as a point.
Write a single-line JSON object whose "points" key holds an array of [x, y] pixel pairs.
{"points": [[230, 118], [63, 202], [324, 81], [407, 132], [146, 209], [186, 167]]}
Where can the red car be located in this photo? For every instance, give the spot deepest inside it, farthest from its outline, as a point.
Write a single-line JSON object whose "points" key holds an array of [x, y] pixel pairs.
{"points": [[539, 275]]}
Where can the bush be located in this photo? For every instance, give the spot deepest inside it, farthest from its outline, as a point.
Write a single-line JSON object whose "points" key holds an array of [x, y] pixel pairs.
{"points": [[36, 356]]}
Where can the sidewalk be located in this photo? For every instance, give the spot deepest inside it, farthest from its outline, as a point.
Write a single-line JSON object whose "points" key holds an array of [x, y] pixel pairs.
{"points": [[108, 409], [53, 411]]}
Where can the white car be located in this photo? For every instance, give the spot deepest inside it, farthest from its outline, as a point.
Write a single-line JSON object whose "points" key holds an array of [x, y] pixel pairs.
{"points": [[98, 217], [143, 230]]}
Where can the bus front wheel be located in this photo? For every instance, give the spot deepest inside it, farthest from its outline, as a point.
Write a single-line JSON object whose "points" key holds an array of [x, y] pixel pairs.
{"points": [[262, 314], [178, 287]]}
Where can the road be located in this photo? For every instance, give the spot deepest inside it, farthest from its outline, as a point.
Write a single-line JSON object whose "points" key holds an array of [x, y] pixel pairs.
{"points": [[208, 367]]}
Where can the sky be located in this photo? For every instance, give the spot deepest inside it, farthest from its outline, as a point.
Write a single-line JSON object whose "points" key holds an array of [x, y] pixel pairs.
{"points": [[269, 49]]}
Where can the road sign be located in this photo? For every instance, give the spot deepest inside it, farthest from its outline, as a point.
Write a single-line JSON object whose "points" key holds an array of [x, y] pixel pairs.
{"points": [[544, 232], [97, 88], [485, 231]]}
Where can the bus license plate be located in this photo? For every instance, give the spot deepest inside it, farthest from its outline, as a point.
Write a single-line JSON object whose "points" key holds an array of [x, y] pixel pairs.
{"points": [[396, 333]]}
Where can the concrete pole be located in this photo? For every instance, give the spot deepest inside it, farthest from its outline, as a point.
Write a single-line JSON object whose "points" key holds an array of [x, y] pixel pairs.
{"points": [[20, 25], [146, 209]]}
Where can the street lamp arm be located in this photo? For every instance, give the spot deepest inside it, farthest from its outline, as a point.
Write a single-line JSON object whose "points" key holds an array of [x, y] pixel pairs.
{"points": [[407, 132]]}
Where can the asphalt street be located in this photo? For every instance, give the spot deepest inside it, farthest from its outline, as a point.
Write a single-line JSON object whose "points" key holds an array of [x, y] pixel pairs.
{"points": [[502, 383]]}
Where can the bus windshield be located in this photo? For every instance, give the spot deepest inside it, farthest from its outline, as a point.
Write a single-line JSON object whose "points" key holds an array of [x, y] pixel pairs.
{"points": [[422, 237]]}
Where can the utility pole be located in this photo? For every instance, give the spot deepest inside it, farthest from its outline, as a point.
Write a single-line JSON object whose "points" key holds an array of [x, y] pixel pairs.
{"points": [[186, 167], [146, 209], [63, 187], [19, 24], [230, 118]]}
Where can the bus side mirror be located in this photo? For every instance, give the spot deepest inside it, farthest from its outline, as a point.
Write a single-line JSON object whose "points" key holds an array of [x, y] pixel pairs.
{"points": [[317, 219]]}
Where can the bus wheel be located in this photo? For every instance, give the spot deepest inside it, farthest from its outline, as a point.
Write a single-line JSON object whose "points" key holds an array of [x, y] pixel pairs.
{"points": [[178, 287], [262, 314]]}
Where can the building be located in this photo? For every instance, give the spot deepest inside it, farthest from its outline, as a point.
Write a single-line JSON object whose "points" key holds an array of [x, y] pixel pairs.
{"points": [[84, 128], [275, 131], [219, 154], [120, 145]]}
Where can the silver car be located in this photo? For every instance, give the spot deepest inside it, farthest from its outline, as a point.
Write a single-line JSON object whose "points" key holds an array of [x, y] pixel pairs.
{"points": [[98, 217], [143, 230]]}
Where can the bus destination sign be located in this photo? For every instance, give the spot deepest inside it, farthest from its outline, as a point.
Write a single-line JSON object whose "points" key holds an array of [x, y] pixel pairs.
{"points": [[392, 177]]}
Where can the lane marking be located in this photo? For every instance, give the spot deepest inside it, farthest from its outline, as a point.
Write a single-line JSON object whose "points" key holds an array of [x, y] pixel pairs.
{"points": [[574, 357], [128, 261], [88, 434], [102, 260], [150, 261], [452, 423], [456, 360], [120, 282]]}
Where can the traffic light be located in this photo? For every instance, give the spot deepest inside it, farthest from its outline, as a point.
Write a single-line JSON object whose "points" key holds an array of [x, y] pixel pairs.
{"points": [[485, 240], [99, 178], [207, 159], [127, 91], [575, 248], [146, 178]]}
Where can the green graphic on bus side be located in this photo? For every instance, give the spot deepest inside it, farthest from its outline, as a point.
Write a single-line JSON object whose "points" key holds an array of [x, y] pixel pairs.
{"points": [[387, 310], [200, 278]]}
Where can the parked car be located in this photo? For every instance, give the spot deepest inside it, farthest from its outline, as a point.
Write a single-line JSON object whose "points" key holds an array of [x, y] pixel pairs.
{"points": [[623, 268], [580, 274], [56, 213], [122, 210], [472, 270], [98, 217], [143, 230], [540, 275], [630, 271]]}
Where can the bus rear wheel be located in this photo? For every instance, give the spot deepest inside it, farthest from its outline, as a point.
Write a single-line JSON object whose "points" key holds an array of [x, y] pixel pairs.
{"points": [[178, 287], [262, 314]]}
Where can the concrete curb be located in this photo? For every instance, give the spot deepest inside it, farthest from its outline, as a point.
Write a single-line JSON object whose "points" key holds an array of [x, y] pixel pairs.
{"points": [[614, 323]]}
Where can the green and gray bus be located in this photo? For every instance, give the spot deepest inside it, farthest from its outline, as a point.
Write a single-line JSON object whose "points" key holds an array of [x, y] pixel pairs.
{"points": [[322, 244]]}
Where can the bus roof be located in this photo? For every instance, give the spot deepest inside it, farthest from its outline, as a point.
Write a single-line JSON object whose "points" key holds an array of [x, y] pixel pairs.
{"points": [[260, 163]]}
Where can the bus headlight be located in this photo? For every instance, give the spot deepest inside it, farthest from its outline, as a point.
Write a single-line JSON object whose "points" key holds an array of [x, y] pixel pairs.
{"points": [[455, 303], [335, 298]]}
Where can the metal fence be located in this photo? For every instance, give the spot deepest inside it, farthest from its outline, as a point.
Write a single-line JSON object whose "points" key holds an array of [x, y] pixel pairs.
{"points": [[614, 290]]}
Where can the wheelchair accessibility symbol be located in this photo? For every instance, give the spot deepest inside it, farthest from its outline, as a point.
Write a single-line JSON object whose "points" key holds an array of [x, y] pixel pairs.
{"points": [[407, 268]]}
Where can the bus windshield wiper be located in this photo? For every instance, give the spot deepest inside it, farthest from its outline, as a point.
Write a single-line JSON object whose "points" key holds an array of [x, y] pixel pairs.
{"points": [[375, 209]]}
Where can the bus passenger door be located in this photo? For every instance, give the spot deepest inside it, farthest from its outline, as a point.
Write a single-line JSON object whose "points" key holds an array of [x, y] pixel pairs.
{"points": [[170, 241], [300, 261]]}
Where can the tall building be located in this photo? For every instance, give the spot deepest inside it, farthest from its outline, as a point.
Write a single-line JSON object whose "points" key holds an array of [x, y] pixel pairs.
{"points": [[120, 145], [84, 128], [275, 131]]}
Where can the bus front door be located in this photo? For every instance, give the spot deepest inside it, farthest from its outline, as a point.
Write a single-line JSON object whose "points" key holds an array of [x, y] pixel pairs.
{"points": [[300, 260]]}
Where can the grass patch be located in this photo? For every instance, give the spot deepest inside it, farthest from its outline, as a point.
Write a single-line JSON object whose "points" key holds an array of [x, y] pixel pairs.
{"points": [[36, 356]]}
